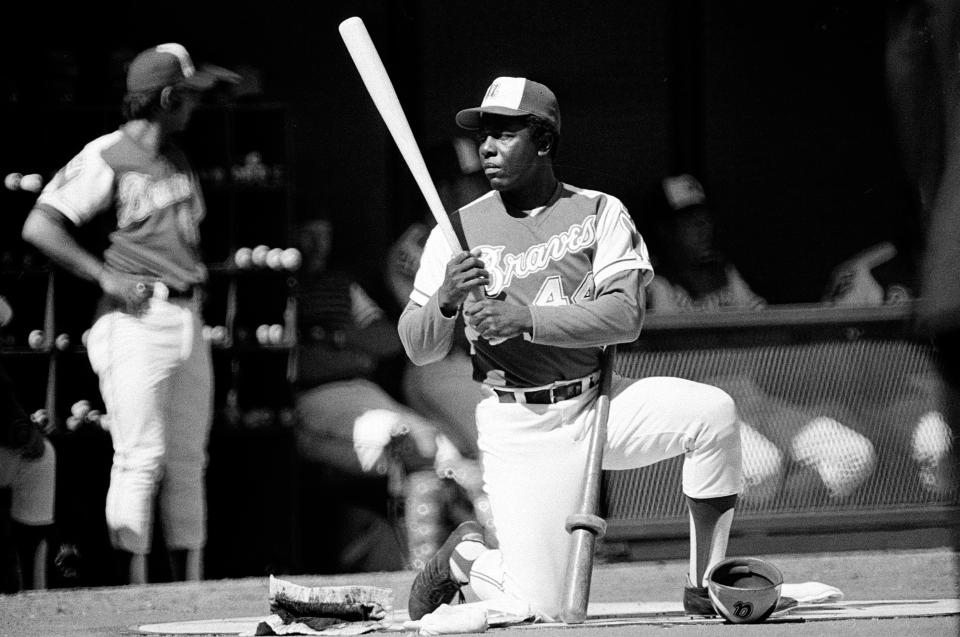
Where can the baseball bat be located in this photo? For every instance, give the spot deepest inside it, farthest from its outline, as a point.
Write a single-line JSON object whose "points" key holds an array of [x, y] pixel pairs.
{"points": [[586, 526], [375, 78]]}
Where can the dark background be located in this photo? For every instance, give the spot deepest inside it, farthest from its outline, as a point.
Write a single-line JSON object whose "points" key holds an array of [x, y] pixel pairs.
{"points": [[778, 107]]}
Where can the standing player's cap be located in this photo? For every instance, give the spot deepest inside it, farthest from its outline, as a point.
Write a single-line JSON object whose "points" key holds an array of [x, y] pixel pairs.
{"points": [[513, 96], [683, 192], [170, 65]]}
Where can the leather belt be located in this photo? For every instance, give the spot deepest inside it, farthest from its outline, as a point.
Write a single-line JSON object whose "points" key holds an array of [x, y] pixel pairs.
{"points": [[189, 293], [563, 390]]}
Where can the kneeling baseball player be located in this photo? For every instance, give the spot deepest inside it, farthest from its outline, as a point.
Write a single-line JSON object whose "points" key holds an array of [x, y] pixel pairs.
{"points": [[562, 270]]}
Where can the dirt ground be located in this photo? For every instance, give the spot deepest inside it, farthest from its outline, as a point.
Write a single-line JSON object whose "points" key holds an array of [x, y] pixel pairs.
{"points": [[916, 574]]}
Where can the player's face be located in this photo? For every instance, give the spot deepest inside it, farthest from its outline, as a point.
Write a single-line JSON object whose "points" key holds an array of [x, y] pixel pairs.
{"points": [[508, 153], [695, 235], [188, 102]]}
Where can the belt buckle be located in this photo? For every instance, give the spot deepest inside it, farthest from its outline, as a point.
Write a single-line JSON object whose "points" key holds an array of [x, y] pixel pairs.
{"points": [[160, 291], [555, 397]]}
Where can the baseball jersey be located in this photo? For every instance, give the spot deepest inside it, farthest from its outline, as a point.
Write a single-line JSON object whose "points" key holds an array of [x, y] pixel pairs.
{"points": [[553, 256], [333, 301], [156, 198]]}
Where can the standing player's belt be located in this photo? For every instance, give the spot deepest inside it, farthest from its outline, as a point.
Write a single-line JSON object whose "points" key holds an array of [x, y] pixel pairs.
{"points": [[562, 390], [159, 290]]}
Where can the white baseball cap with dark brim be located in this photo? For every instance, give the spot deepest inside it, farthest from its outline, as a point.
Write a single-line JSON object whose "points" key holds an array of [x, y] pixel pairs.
{"points": [[513, 97], [170, 65]]}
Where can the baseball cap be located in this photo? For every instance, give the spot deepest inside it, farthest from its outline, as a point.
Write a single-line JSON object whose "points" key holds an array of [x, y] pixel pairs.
{"points": [[170, 65], [683, 192], [513, 96]]}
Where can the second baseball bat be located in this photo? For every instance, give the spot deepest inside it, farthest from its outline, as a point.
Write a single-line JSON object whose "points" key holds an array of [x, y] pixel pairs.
{"points": [[586, 526], [375, 78]]}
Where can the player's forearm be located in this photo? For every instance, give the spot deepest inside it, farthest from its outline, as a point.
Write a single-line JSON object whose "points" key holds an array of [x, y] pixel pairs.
{"points": [[55, 241], [612, 318], [425, 332]]}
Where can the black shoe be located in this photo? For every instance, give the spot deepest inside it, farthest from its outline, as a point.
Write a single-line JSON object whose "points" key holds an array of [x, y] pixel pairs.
{"points": [[67, 562], [435, 585], [696, 601]]}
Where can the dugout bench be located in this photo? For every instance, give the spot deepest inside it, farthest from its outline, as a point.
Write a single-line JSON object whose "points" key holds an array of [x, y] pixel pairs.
{"points": [[864, 367]]}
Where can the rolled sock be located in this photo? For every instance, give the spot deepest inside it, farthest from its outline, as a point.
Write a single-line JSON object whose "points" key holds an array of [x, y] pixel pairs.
{"points": [[461, 561]]}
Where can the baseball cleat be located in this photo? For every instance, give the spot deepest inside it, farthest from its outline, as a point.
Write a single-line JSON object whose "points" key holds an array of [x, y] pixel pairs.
{"points": [[696, 601], [435, 585]]}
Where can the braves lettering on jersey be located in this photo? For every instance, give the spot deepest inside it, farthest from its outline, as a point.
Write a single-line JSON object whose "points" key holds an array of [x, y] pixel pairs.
{"points": [[554, 255], [156, 198]]}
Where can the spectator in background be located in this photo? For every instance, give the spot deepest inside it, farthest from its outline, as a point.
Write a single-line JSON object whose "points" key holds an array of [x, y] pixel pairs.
{"points": [[28, 474], [345, 420], [887, 274], [692, 274], [877, 275], [445, 390]]}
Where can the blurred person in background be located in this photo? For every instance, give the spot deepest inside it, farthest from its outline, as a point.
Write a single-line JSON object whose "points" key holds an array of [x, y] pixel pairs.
{"points": [[923, 88], [693, 274], [445, 390], [346, 420], [139, 184], [28, 482], [886, 274]]}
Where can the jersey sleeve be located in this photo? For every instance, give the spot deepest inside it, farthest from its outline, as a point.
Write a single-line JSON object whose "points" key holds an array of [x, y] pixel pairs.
{"points": [[619, 246], [433, 267], [661, 296], [403, 260], [81, 189], [364, 309], [743, 295]]}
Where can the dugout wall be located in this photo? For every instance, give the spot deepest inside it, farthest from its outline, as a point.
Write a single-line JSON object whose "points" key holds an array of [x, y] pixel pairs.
{"points": [[840, 425]]}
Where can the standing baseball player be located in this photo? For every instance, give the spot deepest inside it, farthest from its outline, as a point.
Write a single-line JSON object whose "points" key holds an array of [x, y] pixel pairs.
{"points": [[562, 270], [146, 343]]}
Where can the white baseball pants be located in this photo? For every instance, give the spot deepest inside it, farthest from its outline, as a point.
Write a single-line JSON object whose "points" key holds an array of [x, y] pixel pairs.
{"points": [[156, 380], [534, 457]]}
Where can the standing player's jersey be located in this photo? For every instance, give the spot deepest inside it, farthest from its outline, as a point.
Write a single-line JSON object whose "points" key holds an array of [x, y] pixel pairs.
{"points": [[554, 255], [156, 198]]}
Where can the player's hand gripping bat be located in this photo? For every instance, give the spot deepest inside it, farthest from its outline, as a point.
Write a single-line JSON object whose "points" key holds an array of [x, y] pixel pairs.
{"points": [[586, 526]]}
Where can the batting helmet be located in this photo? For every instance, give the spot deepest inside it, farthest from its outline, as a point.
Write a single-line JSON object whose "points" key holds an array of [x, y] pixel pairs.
{"points": [[745, 590]]}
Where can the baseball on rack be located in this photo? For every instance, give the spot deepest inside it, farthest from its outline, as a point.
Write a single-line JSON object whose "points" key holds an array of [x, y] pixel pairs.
{"points": [[31, 183]]}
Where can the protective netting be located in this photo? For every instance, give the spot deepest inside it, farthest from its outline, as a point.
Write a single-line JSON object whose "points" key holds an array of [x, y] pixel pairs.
{"points": [[845, 425]]}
